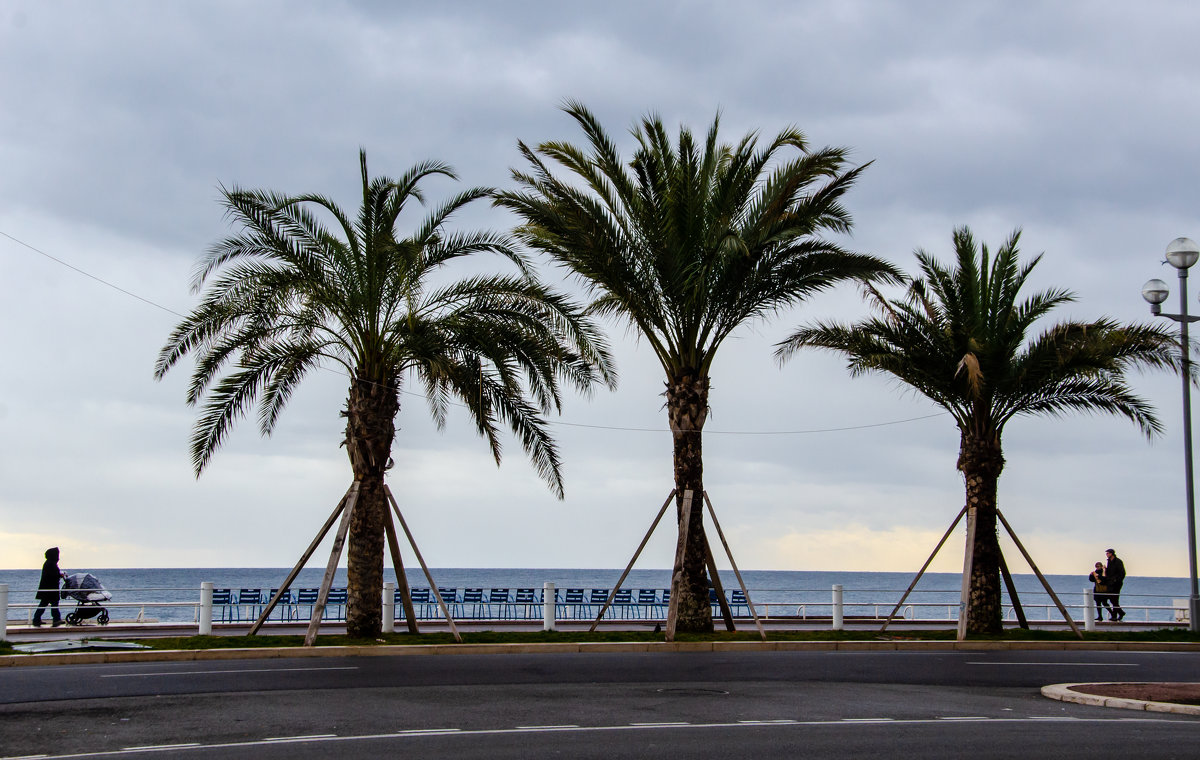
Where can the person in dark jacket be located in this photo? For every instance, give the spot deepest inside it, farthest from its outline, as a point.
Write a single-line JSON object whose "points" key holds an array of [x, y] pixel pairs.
{"points": [[1100, 590], [47, 593], [1114, 577]]}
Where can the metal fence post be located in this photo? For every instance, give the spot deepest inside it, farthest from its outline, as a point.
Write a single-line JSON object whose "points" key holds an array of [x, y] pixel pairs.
{"points": [[1089, 609], [549, 607], [206, 588], [837, 607], [3, 611], [389, 606]]}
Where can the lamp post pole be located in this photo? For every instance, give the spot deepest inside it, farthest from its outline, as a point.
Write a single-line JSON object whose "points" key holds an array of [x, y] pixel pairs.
{"points": [[1182, 253]]}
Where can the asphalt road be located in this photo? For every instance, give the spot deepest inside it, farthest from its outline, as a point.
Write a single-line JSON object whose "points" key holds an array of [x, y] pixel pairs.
{"points": [[759, 705]]}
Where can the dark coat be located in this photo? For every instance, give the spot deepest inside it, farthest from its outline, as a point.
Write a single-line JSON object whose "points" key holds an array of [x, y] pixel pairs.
{"points": [[51, 576], [1114, 574]]}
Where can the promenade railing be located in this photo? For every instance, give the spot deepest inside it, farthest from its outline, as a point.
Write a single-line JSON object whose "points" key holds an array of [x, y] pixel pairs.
{"points": [[182, 606]]}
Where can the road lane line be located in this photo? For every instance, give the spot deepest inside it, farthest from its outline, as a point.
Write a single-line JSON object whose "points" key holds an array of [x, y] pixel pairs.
{"points": [[455, 732], [1054, 664], [548, 728], [299, 738], [218, 672]]}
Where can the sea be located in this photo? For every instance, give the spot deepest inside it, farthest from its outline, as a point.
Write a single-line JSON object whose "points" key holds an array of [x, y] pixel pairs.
{"points": [[171, 594]]}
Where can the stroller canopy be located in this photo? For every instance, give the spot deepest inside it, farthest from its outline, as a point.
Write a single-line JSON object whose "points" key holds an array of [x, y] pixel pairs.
{"points": [[84, 587]]}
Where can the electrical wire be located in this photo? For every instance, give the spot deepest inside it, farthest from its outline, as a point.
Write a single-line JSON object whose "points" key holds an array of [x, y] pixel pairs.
{"points": [[148, 302]]}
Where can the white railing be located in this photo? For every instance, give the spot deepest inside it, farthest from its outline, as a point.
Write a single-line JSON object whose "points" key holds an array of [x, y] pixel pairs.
{"points": [[838, 610]]}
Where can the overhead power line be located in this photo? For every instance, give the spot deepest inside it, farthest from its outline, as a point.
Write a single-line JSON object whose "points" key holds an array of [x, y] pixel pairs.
{"points": [[149, 302]]}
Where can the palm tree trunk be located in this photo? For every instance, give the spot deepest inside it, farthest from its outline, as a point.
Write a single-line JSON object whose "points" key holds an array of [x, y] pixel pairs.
{"points": [[687, 408], [370, 429], [981, 460]]}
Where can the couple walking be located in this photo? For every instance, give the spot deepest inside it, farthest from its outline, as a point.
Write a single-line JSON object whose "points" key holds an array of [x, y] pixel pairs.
{"points": [[1108, 579]]}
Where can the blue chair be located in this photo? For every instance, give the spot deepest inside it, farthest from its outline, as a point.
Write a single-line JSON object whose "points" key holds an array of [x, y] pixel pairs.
{"points": [[421, 599], [573, 602], [306, 596], [648, 601], [251, 598], [223, 598], [284, 605], [450, 597], [666, 602], [498, 606], [737, 601], [336, 599], [622, 604], [472, 598], [527, 600], [596, 602]]}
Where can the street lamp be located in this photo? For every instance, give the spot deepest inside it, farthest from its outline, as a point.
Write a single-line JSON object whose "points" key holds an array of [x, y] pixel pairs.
{"points": [[1182, 253]]}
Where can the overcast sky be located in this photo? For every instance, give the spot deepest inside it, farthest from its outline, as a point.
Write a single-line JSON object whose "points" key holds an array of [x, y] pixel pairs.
{"points": [[1072, 120]]}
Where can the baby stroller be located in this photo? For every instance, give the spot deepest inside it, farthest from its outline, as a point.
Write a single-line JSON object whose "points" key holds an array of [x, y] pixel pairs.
{"points": [[85, 588]]}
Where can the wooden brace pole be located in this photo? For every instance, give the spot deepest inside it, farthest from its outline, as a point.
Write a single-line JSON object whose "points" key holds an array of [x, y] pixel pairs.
{"points": [[924, 567], [732, 563], [287, 583], [636, 554], [685, 520], [410, 614], [425, 568], [1012, 593], [968, 565], [318, 610], [1066, 615]]}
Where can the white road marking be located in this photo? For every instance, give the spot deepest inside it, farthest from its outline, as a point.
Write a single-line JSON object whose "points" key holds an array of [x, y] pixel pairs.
{"points": [[1052, 664], [963, 717], [663, 723], [216, 672], [417, 733], [548, 728], [299, 738], [867, 720]]}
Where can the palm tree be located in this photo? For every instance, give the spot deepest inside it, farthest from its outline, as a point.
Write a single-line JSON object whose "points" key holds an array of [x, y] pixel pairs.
{"points": [[287, 296], [960, 337], [686, 243]]}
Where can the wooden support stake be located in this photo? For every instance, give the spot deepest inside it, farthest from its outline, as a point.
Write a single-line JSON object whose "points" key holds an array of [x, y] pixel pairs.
{"points": [[318, 611], [715, 579], [287, 583], [410, 614], [428, 576], [1012, 593], [732, 563], [685, 520], [924, 567], [968, 565], [636, 554], [1066, 615]]}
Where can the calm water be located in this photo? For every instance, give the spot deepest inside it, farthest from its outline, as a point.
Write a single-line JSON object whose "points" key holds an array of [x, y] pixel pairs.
{"points": [[785, 591]]}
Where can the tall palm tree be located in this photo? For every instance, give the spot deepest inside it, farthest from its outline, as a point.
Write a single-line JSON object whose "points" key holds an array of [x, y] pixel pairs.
{"points": [[287, 295], [960, 337], [687, 242]]}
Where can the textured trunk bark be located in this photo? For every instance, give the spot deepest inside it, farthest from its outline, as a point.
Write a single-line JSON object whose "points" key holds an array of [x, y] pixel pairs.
{"points": [[980, 459], [370, 429], [687, 408]]}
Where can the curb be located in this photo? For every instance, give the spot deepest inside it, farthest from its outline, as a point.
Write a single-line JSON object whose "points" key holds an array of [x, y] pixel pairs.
{"points": [[1064, 693], [410, 650]]}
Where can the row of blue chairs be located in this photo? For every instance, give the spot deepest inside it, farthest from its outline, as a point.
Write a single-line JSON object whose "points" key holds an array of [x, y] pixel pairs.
{"points": [[470, 604]]}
